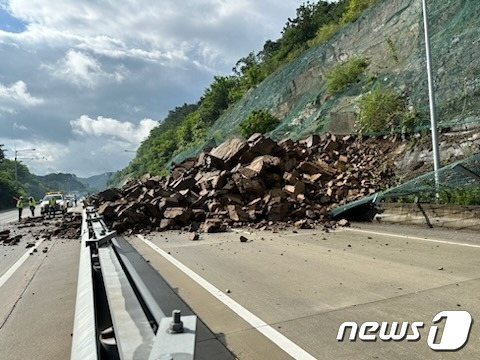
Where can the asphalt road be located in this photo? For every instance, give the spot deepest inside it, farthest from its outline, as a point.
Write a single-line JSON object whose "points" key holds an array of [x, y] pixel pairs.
{"points": [[37, 293], [292, 291], [9, 216]]}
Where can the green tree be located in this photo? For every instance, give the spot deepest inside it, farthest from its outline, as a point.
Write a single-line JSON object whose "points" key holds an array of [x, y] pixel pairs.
{"points": [[258, 121], [310, 16], [355, 9]]}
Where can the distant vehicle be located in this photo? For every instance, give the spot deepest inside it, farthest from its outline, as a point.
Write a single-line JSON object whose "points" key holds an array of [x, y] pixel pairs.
{"points": [[60, 203], [70, 199]]}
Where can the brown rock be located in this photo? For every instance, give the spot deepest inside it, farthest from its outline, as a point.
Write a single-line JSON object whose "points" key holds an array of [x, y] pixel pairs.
{"points": [[230, 151], [193, 236], [237, 214], [183, 182], [213, 226], [303, 224], [110, 195], [311, 141], [295, 190], [178, 214], [343, 222], [166, 224], [278, 211], [107, 209], [264, 163], [262, 145]]}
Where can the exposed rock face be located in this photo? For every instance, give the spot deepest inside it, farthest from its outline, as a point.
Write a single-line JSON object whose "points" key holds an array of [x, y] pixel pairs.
{"points": [[252, 182]]}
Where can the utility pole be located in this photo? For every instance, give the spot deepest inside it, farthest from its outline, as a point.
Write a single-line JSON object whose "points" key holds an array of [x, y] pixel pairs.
{"points": [[431, 95]]}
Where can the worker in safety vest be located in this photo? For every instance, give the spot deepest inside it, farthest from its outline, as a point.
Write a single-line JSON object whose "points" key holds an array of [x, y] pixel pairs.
{"points": [[32, 204], [51, 206], [19, 206]]}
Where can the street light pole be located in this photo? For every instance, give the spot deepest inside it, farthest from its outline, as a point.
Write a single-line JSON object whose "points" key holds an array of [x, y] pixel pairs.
{"points": [[16, 173], [16, 170], [431, 95]]}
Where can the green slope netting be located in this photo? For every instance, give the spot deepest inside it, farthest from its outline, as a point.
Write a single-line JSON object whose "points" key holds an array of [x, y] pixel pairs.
{"points": [[460, 179], [391, 36]]}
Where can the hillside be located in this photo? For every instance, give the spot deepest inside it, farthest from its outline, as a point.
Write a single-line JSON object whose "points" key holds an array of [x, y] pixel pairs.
{"points": [[29, 184], [389, 38], [97, 182]]}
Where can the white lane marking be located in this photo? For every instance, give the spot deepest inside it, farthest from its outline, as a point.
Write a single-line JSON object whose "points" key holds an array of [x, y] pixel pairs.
{"points": [[280, 340], [412, 237], [4, 278]]}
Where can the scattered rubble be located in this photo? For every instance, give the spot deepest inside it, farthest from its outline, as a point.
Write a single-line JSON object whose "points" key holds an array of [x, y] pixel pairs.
{"points": [[8, 238], [68, 228], [257, 181], [32, 229]]}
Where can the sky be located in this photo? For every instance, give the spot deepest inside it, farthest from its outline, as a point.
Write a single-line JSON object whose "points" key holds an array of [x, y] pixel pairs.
{"points": [[83, 82]]}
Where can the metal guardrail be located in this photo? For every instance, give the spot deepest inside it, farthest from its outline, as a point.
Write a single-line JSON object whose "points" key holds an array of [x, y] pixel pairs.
{"points": [[116, 317]]}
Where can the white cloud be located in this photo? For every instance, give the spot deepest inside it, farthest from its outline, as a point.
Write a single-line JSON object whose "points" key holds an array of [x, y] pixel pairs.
{"points": [[84, 70], [156, 31], [112, 128], [16, 95], [19, 127]]}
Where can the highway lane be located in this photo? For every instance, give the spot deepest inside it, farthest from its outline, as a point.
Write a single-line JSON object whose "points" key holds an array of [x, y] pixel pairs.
{"points": [[304, 285], [9, 216], [38, 303], [37, 293]]}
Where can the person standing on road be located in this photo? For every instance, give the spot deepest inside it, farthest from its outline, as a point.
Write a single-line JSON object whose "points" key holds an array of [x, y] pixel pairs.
{"points": [[51, 207], [19, 206], [32, 204]]}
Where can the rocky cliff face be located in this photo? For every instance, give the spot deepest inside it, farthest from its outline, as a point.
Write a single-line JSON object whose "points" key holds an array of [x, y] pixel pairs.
{"points": [[391, 36]]}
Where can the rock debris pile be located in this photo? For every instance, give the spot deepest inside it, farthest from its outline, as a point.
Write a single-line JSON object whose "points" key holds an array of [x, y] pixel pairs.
{"points": [[258, 181]]}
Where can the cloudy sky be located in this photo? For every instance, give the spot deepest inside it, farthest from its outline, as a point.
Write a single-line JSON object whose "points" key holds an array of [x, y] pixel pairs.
{"points": [[83, 81]]}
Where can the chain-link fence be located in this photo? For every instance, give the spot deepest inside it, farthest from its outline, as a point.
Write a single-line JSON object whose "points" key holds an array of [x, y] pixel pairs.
{"points": [[458, 183]]}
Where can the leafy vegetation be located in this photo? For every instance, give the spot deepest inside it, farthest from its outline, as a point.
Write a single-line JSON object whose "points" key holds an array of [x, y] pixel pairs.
{"points": [[380, 109], [446, 195], [460, 196], [391, 49], [258, 121], [355, 9], [324, 33], [342, 75], [345, 12]]}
